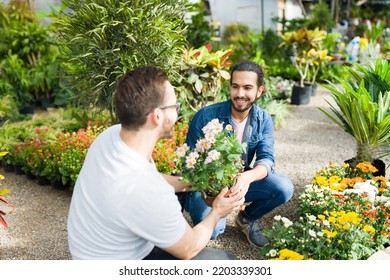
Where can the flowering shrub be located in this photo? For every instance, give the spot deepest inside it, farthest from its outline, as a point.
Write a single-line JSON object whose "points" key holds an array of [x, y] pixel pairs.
{"points": [[343, 214], [279, 88], [73, 149], [2, 199], [31, 153], [164, 151], [215, 161]]}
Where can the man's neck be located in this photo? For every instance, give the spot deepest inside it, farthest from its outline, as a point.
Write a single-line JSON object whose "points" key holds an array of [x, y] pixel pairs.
{"points": [[141, 142], [240, 116]]}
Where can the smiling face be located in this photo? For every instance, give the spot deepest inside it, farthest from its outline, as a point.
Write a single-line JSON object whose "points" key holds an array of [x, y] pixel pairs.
{"points": [[244, 92]]}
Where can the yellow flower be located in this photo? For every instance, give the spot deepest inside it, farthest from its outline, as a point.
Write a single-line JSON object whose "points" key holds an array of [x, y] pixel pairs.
{"points": [[331, 234], [321, 217], [369, 229], [366, 167], [3, 154], [287, 254], [363, 43]]}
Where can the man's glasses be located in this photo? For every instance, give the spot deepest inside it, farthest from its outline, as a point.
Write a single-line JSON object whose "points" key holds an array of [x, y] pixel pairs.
{"points": [[177, 106]]}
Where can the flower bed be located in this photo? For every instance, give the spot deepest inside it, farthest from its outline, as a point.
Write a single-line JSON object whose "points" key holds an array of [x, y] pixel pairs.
{"points": [[344, 214]]}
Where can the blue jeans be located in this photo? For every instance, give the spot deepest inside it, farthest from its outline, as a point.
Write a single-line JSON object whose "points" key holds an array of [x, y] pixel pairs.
{"points": [[264, 195]]}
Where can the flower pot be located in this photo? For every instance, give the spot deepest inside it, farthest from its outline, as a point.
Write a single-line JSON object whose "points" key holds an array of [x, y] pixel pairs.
{"points": [[208, 200], [18, 169], [2, 121], [46, 102], [27, 110], [313, 89], [30, 176], [58, 185], [43, 181], [377, 163], [301, 95], [9, 167]]}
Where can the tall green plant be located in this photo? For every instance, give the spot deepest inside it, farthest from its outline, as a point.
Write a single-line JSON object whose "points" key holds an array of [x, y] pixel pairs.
{"points": [[102, 39], [376, 77], [365, 119]]}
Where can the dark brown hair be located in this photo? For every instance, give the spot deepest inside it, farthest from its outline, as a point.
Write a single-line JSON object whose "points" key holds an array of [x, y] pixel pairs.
{"points": [[138, 92], [251, 66]]}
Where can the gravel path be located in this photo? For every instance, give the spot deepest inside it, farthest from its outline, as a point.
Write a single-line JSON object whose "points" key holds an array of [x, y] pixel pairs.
{"points": [[307, 142]]}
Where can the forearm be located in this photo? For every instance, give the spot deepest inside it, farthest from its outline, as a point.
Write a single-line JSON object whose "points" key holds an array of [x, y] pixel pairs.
{"points": [[257, 173], [176, 182]]}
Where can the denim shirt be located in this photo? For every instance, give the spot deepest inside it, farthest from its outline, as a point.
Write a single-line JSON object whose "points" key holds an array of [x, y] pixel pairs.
{"points": [[258, 133]]}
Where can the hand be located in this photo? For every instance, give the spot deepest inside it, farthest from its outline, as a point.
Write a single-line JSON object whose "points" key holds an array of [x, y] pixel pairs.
{"points": [[225, 204], [240, 186]]}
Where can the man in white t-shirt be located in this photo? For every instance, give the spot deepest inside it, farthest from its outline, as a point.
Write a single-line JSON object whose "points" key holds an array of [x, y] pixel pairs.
{"points": [[122, 207]]}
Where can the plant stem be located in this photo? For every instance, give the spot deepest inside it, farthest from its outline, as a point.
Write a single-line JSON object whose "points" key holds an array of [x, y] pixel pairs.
{"points": [[365, 152]]}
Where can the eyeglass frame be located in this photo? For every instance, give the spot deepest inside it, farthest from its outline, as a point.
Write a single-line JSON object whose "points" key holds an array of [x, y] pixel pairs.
{"points": [[177, 106]]}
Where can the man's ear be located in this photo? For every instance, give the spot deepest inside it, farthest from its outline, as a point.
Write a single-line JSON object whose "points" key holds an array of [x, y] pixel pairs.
{"points": [[260, 91], [155, 116]]}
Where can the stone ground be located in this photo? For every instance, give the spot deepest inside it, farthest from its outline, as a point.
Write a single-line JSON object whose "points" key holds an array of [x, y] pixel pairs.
{"points": [[307, 142]]}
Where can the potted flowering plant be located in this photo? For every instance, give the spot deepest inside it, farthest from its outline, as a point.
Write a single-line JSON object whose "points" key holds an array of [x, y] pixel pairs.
{"points": [[344, 214], [215, 161]]}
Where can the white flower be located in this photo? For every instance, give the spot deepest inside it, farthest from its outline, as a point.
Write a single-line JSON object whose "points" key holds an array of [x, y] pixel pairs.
{"points": [[312, 233], [181, 151], [277, 218], [286, 222], [364, 187], [202, 145], [213, 155], [312, 217], [273, 253], [191, 159]]}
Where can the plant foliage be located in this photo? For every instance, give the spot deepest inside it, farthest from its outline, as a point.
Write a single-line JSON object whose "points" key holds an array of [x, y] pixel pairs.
{"points": [[102, 39]]}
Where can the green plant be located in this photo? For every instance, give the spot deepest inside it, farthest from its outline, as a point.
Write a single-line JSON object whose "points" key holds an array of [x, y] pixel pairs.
{"points": [[215, 161], [362, 112], [244, 42], [340, 217], [102, 39], [8, 107], [203, 73], [2, 199], [29, 54], [321, 16], [306, 49], [198, 32], [279, 109], [279, 87]]}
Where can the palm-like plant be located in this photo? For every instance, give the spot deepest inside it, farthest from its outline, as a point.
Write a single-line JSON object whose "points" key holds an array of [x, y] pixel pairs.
{"points": [[363, 111], [102, 39]]}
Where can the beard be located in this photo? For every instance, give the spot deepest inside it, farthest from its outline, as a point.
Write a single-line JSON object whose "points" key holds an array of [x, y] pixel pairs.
{"points": [[168, 131], [244, 107]]}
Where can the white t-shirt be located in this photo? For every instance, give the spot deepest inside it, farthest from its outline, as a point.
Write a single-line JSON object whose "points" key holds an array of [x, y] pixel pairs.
{"points": [[121, 206]]}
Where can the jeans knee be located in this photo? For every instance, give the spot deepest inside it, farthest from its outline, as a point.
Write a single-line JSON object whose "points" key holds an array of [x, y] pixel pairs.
{"points": [[219, 229]]}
